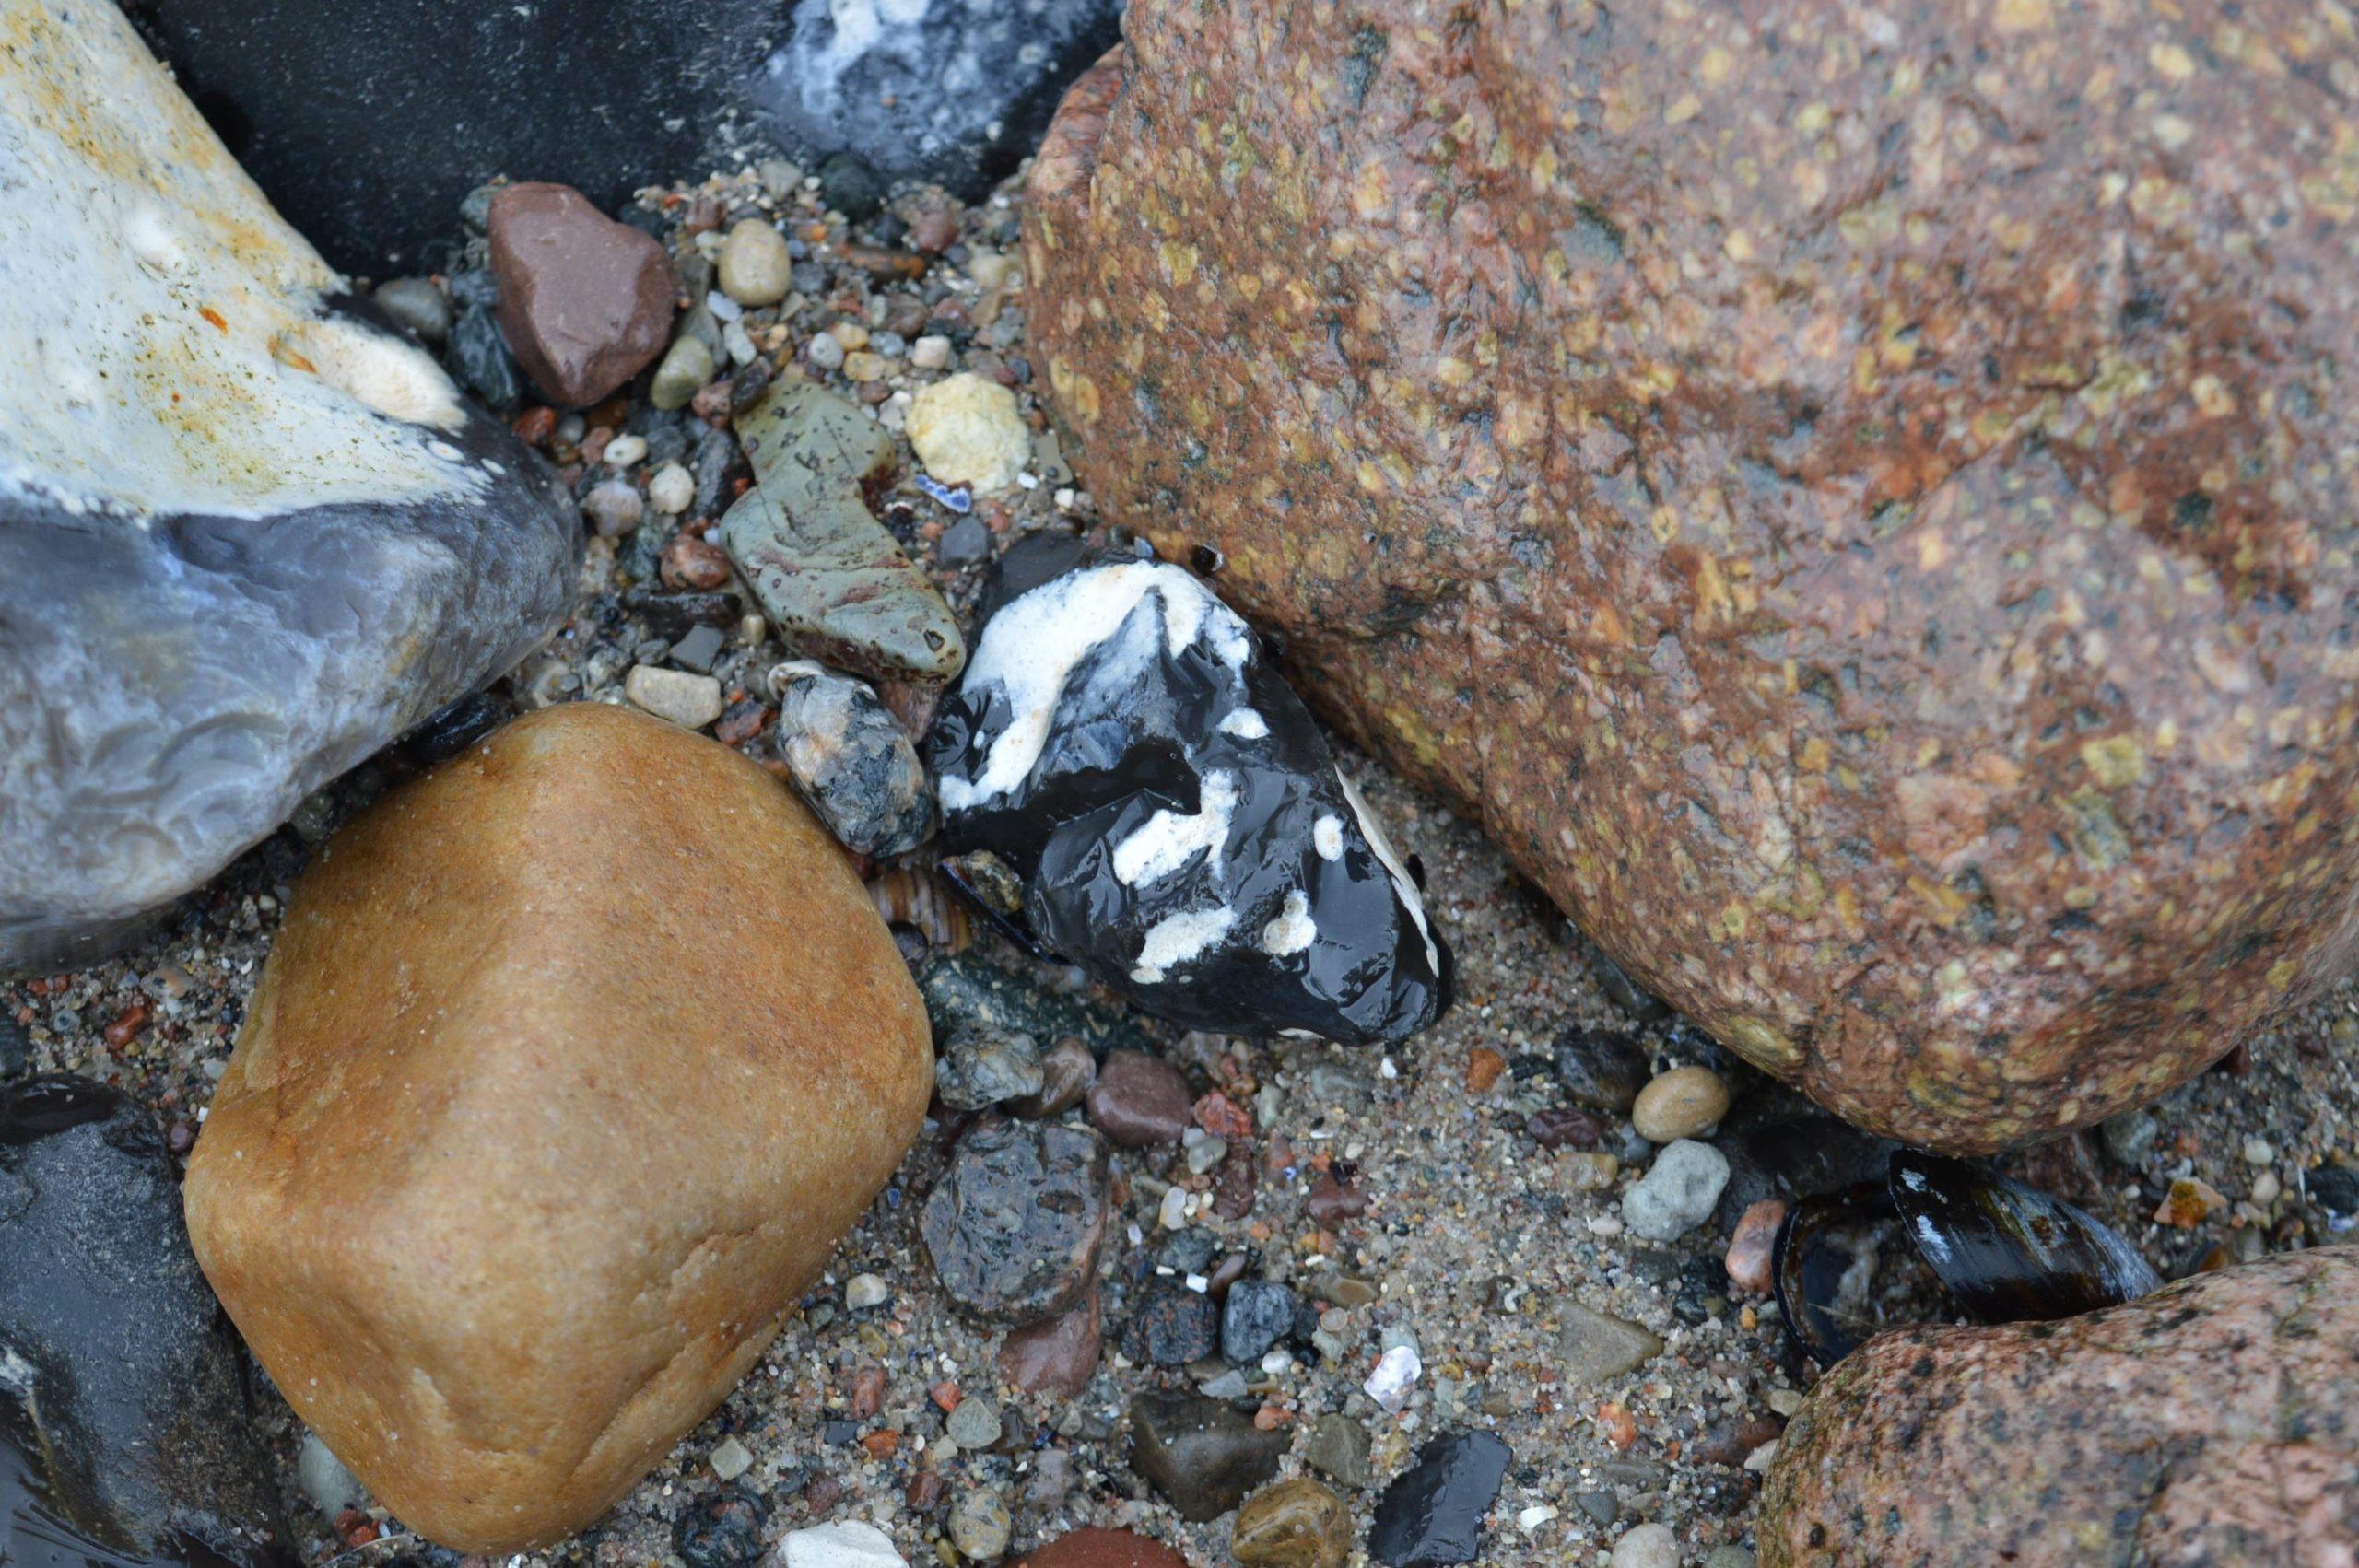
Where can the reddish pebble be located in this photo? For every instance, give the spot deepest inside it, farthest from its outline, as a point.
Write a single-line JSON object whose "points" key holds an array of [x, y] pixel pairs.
{"points": [[1056, 1357], [741, 723], [881, 1444], [1332, 1202], [1483, 1067], [821, 1494], [925, 1491], [934, 230], [126, 1025], [1223, 1118], [1094, 1548], [946, 1396], [535, 426], [585, 303], [1614, 1420], [1749, 1248], [2189, 1203], [1140, 1100], [355, 1528], [1233, 1184], [715, 400], [1269, 1418], [692, 562], [867, 1392]]}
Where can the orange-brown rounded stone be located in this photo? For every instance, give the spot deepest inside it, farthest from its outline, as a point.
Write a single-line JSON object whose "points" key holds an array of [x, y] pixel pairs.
{"points": [[572, 1064]]}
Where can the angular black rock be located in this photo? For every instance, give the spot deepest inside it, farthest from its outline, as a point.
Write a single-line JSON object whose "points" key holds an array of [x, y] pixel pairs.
{"points": [[248, 531], [1433, 1511], [1121, 742], [850, 761], [1016, 1221], [125, 1434], [368, 124], [1258, 1314], [1201, 1456], [1175, 1326]]}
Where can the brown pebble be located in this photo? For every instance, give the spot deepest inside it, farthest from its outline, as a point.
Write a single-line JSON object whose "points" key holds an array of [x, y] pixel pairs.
{"points": [[934, 230], [1332, 1202], [692, 562], [1056, 1357], [1292, 1524], [535, 425], [1139, 1100], [1233, 1183], [585, 303], [1483, 1067], [1614, 1420], [1686, 1102], [1067, 1069], [1752, 1248], [881, 1444], [925, 1490], [1223, 1117], [1730, 1441], [1558, 1126], [713, 400], [126, 1025], [2189, 1203], [821, 1492], [1094, 1548], [867, 1395]]}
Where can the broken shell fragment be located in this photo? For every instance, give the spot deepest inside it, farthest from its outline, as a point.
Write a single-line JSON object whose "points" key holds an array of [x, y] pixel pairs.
{"points": [[1119, 742]]}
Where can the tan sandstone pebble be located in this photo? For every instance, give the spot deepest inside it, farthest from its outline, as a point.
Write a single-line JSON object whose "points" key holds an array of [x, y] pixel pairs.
{"points": [[689, 700], [967, 431], [584, 302], [571, 1064], [756, 268], [1686, 1102], [1299, 1523], [2208, 1422], [1751, 1250]]}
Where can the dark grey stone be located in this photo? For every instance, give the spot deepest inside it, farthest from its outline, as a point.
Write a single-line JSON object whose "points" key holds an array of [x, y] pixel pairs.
{"points": [[1258, 1314], [1433, 1512], [1015, 1224], [124, 1416], [1199, 1455]]}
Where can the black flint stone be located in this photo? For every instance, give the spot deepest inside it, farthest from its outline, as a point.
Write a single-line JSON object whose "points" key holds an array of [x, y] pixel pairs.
{"points": [[1136, 733], [1433, 1511]]}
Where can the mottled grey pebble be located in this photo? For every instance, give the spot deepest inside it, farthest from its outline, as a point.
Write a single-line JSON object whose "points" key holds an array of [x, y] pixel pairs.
{"points": [[416, 306], [1678, 1191]]}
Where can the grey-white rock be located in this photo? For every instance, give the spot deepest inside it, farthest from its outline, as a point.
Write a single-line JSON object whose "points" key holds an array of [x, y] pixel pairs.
{"points": [[248, 533], [1677, 1192], [977, 1071], [851, 761]]}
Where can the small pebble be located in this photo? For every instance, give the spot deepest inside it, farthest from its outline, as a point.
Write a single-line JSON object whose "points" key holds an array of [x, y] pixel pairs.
{"points": [[417, 306], [1646, 1545], [931, 352], [624, 451], [1678, 1192], [864, 1291], [825, 352], [1750, 1249], [1395, 1377], [967, 431], [1683, 1103], [688, 700], [1139, 1100], [613, 508], [686, 366], [847, 1543], [976, 1071], [731, 1459], [755, 267], [974, 1423], [671, 490]]}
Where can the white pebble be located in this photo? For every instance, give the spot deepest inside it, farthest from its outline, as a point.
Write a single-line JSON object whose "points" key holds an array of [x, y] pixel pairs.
{"points": [[625, 451], [1173, 1215], [931, 352], [847, 1543], [1531, 1518], [863, 1291], [731, 1459], [967, 431], [673, 489], [1396, 1374], [1646, 1545], [2258, 1153]]}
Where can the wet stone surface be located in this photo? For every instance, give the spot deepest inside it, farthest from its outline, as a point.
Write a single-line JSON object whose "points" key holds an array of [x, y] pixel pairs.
{"points": [[124, 1418], [1014, 1225], [1120, 741], [1433, 1512], [1199, 1455], [851, 762]]}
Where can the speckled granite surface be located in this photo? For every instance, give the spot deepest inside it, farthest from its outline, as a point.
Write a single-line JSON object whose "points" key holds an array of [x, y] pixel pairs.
{"points": [[1855, 501], [2214, 1422]]}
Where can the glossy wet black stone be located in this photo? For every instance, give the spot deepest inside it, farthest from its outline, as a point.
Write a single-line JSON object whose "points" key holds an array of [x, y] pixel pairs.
{"points": [[1015, 1222], [1601, 1072], [1199, 1453], [1120, 743], [125, 1434], [1433, 1512]]}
